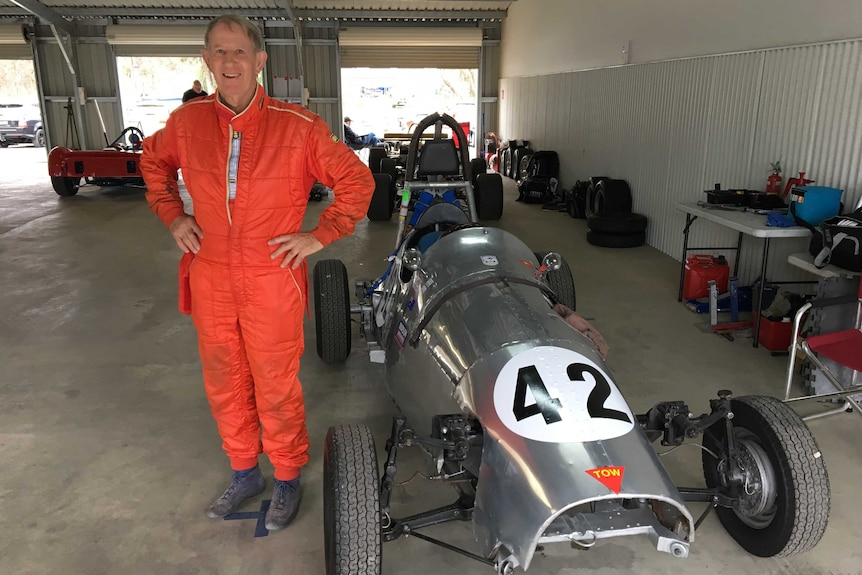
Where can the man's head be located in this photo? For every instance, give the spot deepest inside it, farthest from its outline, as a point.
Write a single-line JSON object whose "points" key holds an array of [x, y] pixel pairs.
{"points": [[347, 120], [233, 51], [196, 86]]}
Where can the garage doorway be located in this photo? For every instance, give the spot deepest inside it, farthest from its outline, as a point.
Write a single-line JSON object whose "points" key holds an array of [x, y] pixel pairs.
{"points": [[20, 116], [151, 87], [386, 100], [393, 77]]}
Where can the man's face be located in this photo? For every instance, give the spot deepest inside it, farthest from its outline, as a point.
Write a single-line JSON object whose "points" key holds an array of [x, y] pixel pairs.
{"points": [[235, 64], [197, 87]]}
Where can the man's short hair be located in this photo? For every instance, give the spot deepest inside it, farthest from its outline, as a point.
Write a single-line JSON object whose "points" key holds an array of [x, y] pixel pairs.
{"points": [[347, 119], [232, 20]]}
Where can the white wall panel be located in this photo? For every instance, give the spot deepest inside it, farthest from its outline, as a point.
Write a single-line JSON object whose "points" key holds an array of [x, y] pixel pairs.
{"points": [[674, 129], [553, 36]]}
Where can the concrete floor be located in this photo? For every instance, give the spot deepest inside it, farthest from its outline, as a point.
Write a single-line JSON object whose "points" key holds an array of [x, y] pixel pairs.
{"points": [[111, 456]]}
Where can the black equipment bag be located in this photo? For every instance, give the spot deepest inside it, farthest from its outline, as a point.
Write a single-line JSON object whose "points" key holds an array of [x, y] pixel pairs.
{"points": [[838, 241], [534, 190]]}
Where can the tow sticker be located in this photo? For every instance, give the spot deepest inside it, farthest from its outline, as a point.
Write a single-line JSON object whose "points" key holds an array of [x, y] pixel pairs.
{"points": [[556, 395], [610, 476]]}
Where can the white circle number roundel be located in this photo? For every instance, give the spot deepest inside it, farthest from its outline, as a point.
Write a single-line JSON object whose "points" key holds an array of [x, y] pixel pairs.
{"points": [[556, 395]]}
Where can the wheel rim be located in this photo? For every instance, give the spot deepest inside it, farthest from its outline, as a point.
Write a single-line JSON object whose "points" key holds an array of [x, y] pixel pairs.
{"points": [[751, 469]]}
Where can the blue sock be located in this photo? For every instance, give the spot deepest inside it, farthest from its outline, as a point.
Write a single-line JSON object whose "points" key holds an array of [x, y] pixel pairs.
{"points": [[244, 472], [293, 483]]}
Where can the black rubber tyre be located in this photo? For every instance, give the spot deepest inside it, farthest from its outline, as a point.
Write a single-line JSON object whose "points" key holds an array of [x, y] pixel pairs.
{"points": [[489, 196], [612, 197], [375, 156], [590, 200], [618, 223], [65, 186], [478, 166], [777, 446], [39, 138], [388, 166], [380, 208], [604, 240], [561, 281], [332, 311], [351, 502]]}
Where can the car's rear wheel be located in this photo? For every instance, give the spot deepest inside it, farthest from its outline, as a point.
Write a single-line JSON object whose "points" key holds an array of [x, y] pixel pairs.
{"points": [[65, 186], [380, 208], [331, 311], [39, 138], [351, 502], [489, 196], [778, 476]]}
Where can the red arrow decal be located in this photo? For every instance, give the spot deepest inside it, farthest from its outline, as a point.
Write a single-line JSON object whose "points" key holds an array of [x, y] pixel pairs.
{"points": [[610, 477]]}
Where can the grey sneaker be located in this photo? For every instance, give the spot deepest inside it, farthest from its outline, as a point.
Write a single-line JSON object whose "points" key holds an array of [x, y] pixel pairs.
{"points": [[240, 489], [284, 505]]}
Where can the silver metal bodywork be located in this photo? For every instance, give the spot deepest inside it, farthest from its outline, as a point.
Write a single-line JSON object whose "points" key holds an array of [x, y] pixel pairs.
{"points": [[459, 335]]}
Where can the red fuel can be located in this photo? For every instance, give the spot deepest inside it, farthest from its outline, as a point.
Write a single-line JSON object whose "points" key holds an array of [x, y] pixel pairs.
{"points": [[699, 269]]}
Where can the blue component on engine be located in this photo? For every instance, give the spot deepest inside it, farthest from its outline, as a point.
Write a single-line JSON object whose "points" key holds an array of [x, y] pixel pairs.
{"points": [[426, 198]]}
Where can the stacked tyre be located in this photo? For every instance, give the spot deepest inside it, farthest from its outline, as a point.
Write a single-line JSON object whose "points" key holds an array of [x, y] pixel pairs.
{"points": [[610, 219]]}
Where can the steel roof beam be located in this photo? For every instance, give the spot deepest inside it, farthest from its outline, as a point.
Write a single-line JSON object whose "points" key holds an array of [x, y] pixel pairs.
{"points": [[403, 14], [46, 14], [207, 13]]}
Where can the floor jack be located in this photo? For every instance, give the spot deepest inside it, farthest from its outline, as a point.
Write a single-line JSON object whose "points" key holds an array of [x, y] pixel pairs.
{"points": [[726, 329]]}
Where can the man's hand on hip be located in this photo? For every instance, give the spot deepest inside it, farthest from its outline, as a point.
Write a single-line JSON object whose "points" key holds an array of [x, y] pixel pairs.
{"points": [[295, 248], [187, 233]]}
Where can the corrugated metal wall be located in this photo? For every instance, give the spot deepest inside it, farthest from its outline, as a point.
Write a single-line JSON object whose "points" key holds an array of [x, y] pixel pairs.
{"points": [[97, 72], [319, 62], [676, 128], [489, 82]]}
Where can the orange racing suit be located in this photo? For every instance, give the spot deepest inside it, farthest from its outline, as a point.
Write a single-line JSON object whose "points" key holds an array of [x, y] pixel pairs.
{"points": [[249, 176]]}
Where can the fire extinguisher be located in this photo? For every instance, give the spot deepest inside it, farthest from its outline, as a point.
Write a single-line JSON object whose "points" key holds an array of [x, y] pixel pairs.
{"points": [[773, 182]]}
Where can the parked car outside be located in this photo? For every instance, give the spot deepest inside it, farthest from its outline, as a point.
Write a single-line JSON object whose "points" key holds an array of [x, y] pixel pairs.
{"points": [[21, 124]]}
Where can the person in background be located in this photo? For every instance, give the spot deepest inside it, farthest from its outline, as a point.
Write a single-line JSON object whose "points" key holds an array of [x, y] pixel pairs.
{"points": [[357, 142], [248, 280], [196, 91]]}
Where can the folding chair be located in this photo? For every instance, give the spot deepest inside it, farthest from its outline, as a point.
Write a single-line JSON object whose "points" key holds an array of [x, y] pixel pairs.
{"points": [[843, 347]]}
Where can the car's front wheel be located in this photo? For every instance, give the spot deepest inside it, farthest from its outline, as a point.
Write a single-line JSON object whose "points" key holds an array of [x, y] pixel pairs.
{"points": [[775, 472], [65, 186], [351, 502]]}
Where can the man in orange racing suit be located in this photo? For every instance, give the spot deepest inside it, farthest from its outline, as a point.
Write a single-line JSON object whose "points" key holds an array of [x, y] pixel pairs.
{"points": [[249, 162]]}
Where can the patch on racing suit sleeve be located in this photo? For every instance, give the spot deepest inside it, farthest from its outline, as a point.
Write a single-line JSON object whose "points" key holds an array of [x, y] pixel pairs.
{"points": [[333, 137], [557, 395]]}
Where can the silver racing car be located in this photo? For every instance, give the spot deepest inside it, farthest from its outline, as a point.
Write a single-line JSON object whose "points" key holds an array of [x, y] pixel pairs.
{"points": [[518, 407]]}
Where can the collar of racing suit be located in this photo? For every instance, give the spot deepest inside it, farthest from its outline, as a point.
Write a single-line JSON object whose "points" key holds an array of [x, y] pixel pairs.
{"points": [[249, 116]]}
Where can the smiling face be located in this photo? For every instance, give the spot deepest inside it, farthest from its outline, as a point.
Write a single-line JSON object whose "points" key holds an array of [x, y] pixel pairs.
{"points": [[235, 63]]}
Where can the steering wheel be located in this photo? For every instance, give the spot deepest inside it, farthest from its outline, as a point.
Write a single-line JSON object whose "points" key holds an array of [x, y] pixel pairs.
{"points": [[135, 139]]}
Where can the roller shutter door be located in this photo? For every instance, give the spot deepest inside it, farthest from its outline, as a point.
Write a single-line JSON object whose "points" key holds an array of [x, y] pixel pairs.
{"points": [[136, 40], [369, 47], [12, 44]]}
